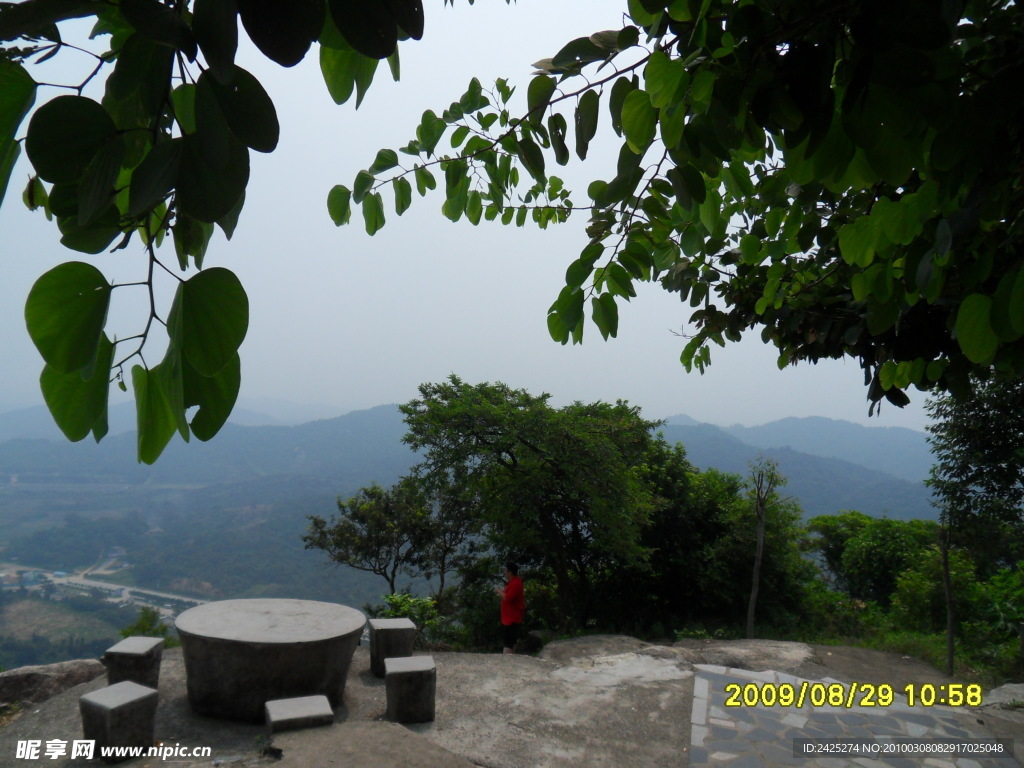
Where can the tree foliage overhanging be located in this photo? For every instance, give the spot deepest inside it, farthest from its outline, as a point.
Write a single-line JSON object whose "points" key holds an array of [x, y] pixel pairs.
{"points": [[163, 154], [843, 177]]}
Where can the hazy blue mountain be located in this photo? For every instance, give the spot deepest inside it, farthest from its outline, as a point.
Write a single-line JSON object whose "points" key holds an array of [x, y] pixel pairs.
{"points": [[904, 453], [345, 452], [822, 485], [36, 423]]}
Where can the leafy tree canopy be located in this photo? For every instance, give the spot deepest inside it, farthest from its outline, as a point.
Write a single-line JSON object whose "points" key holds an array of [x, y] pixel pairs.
{"points": [[844, 178], [978, 475], [559, 488], [161, 159], [376, 530], [865, 556]]}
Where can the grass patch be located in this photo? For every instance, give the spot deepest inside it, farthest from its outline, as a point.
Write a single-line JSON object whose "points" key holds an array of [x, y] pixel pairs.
{"points": [[124, 578], [24, 618]]}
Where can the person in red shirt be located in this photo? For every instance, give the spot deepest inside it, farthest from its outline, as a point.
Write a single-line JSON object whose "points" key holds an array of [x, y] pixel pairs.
{"points": [[513, 606]]}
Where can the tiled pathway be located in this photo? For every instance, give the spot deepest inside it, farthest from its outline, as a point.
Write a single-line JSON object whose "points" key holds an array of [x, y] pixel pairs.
{"points": [[752, 737]]}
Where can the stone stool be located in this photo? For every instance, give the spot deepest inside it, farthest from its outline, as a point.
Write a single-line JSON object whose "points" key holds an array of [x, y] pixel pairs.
{"points": [[301, 712], [389, 638], [136, 659], [120, 715], [411, 683]]}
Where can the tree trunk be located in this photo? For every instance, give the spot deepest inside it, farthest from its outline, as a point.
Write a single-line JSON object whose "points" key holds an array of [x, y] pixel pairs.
{"points": [[758, 556], [947, 588]]}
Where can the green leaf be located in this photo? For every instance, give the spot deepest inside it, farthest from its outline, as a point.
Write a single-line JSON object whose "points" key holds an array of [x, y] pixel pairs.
{"points": [[395, 65], [161, 24], [170, 370], [183, 99], [639, 121], [1016, 309], [532, 157], [973, 329], [156, 420], [578, 53], [361, 187], [191, 238], [370, 28], [557, 328], [689, 186], [459, 135], [215, 396], [247, 108], [403, 195], [8, 157], [154, 177], [606, 315], [622, 88], [627, 38], [586, 122], [665, 78], [96, 189], [569, 307], [557, 128], [93, 238], [639, 13], [373, 213], [429, 131], [78, 403], [346, 71], [65, 134], [701, 90], [65, 314], [424, 180], [474, 207], [17, 95], [339, 204], [537, 97], [282, 31], [215, 25], [229, 221], [214, 319], [750, 247], [386, 159], [209, 189], [1001, 316], [887, 374], [857, 242]]}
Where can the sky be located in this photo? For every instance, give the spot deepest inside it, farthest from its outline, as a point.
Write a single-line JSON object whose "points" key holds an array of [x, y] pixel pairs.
{"points": [[341, 321]]}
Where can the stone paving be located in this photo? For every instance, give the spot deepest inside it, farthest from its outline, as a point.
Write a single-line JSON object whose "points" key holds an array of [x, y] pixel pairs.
{"points": [[755, 736]]}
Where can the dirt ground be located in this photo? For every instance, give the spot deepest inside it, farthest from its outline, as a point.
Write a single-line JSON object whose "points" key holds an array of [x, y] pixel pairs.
{"points": [[594, 701]]}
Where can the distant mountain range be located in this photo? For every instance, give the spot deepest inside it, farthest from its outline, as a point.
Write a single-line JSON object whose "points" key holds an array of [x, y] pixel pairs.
{"points": [[831, 465], [822, 484], [226, 518]]}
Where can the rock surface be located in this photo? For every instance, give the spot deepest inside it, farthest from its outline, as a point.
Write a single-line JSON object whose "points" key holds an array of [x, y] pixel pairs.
{"points": [[37, 684], [602, 700]]}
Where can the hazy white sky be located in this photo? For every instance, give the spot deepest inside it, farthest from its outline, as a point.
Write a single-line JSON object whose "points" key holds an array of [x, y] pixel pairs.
{"points": [[348, 321]]}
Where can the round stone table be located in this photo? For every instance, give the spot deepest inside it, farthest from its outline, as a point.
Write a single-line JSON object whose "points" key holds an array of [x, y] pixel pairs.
{"points": [[240, 654]]}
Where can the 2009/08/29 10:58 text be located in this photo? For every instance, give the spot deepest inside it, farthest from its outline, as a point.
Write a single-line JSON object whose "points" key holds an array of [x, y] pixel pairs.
{"points": [[850, 695]]}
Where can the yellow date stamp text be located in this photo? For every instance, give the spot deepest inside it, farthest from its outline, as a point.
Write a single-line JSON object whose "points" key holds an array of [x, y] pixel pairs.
{"points": [[849, 695]]}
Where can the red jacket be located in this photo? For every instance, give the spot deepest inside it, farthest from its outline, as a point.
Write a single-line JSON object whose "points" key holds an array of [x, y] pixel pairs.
{"points": [[513, 604]]}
